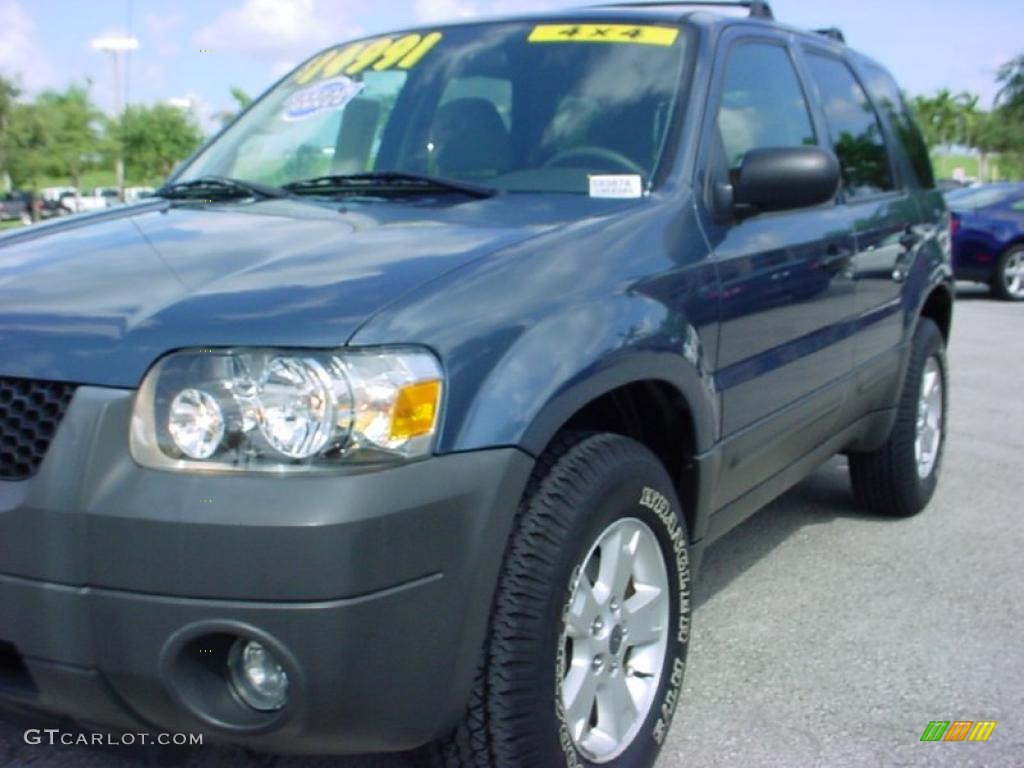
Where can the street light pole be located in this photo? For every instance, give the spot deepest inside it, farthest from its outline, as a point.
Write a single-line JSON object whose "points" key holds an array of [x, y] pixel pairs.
{"points": [[115, 46]]}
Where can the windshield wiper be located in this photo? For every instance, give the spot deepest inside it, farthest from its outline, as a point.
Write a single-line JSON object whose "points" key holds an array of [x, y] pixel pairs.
{"points": [[378, 181], [222, 187]]}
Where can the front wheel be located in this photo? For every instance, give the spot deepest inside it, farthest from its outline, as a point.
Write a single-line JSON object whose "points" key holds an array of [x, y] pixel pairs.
{"points": [[590, 626], [899, 479], [1008, 282]]}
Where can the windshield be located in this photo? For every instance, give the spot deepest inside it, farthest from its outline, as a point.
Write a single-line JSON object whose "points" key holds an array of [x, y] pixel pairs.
{"points": [[518, 107]]}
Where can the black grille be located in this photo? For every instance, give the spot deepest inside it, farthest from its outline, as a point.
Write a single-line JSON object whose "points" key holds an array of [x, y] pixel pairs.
{"points": [[30, 412]]}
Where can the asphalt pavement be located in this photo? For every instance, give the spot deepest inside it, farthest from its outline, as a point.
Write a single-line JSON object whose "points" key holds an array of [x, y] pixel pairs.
{"points": [[826, 637]]}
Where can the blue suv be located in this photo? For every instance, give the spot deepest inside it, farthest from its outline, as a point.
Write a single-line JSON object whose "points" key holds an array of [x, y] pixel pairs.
{"points": [[400, 417]]}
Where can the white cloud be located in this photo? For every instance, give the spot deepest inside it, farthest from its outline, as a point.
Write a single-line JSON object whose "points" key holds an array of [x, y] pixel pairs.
{"points": [[428, 11], [20, 52], [285, 28], [445, 10]]}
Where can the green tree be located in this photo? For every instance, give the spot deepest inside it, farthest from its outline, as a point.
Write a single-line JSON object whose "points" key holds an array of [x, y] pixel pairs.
{"points": [[155, 139], [937, 116], [1004, 130], [26, 144], [241, 97], [1011, 85], [947, 118], [9, 92], [968, 118], [72, 125]]}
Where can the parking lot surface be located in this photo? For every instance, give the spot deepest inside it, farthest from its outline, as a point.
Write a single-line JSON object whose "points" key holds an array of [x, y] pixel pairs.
{"points": [[825, 637]]}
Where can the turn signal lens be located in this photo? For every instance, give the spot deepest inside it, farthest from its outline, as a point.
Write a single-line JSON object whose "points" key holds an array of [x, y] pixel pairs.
{"points": [[416, 410]]}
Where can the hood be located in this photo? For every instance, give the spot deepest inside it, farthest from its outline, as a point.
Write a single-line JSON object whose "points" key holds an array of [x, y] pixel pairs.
{"points": [[96, 299]]}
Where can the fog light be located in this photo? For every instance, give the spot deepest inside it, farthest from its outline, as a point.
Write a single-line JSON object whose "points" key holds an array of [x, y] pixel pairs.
{"points": [[257, 676]]}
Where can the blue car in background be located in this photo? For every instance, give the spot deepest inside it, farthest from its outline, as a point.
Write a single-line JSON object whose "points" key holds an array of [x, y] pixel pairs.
{"points": [[988, 237]]}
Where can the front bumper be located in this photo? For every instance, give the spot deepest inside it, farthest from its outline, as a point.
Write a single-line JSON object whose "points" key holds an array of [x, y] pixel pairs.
{"points": [[374, 588]]}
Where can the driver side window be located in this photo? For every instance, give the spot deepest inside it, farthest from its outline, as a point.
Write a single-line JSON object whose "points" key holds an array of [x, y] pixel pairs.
{"points": [[762, 102]]}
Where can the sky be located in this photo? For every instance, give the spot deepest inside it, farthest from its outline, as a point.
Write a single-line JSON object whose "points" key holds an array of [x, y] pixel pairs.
{"points": [[198, 49]]}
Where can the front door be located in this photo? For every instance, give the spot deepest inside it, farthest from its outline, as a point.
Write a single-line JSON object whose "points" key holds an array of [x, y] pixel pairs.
{"points": [[786, 291]]}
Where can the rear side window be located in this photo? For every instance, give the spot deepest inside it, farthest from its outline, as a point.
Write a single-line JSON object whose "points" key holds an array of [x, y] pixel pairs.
{"points": [[853, 125], [886, 94], [762, 102]]}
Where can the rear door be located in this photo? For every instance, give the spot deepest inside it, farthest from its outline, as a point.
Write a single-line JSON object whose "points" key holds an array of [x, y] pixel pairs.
{"points": [[786, 295], [877, 194]]}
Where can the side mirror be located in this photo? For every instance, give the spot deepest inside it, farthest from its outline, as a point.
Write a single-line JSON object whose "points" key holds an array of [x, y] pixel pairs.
{"points": [[783, 179]]}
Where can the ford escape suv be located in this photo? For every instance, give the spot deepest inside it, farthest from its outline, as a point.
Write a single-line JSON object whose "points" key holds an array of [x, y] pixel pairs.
{"points": [[400, 417]]}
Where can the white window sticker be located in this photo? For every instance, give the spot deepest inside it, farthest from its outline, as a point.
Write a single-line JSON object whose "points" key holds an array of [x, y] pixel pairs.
{"points": [[328, 96], [623, 187]]}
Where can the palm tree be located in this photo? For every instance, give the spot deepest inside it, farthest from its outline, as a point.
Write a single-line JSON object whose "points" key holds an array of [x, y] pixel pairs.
{"points": [[1011, 81], [242, 99], [939, 118]]}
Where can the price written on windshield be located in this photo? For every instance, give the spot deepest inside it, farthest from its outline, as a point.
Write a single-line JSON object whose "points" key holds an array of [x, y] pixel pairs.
{"points": [[379, 54]]}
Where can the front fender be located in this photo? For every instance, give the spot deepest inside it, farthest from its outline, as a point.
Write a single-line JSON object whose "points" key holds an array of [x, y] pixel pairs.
{"points": [[530, 335], [559, 365]]}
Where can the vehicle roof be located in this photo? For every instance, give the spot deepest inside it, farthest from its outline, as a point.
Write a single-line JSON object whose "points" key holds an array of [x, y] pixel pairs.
{"points": [[706, 17]]}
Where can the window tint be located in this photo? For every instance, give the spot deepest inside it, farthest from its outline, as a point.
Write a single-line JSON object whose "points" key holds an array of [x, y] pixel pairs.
{"points": [[332, 141], [762, 102], [498, 91], [855, 131], [886, 95], [517, 106]]}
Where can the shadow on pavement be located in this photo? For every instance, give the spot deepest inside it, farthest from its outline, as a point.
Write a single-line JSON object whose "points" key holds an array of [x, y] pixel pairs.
{"points": [[823, 497]]}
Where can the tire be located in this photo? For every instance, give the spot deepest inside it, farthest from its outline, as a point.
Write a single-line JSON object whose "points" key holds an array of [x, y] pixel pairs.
{"points": [[897, 480], [1008, 282], [586, 490]]}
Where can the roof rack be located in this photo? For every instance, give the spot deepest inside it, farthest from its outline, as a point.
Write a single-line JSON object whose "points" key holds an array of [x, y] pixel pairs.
{"points": [[832, 32], [759, 9]]}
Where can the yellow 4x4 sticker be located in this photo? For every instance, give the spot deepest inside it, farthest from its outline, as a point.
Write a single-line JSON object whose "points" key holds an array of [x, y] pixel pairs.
{"points": [[641, 34], [379, 54]]}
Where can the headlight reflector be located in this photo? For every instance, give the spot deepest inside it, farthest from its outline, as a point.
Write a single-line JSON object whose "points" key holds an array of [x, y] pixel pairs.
{"points": [[195, 423], [296, 406], [280, 410]]}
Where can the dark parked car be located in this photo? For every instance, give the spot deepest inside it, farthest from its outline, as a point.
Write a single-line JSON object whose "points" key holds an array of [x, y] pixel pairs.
{"points": [[988, 237], [16, 206], [401, 417]]}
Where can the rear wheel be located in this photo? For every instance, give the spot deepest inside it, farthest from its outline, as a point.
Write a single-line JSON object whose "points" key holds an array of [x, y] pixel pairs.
{"points": [[900, 478], [590, 625], [1008, 282]]}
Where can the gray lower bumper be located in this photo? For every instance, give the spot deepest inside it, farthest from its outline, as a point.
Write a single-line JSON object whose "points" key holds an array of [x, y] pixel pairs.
{"points": [[374, 587]]}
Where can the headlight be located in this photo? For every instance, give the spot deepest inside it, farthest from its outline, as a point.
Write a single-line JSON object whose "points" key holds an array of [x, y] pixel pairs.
{"points": [[277, 410]]}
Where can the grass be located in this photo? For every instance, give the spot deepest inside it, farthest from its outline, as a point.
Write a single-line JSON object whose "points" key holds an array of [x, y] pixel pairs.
{"points": [[945, 164], [9, 225]]}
